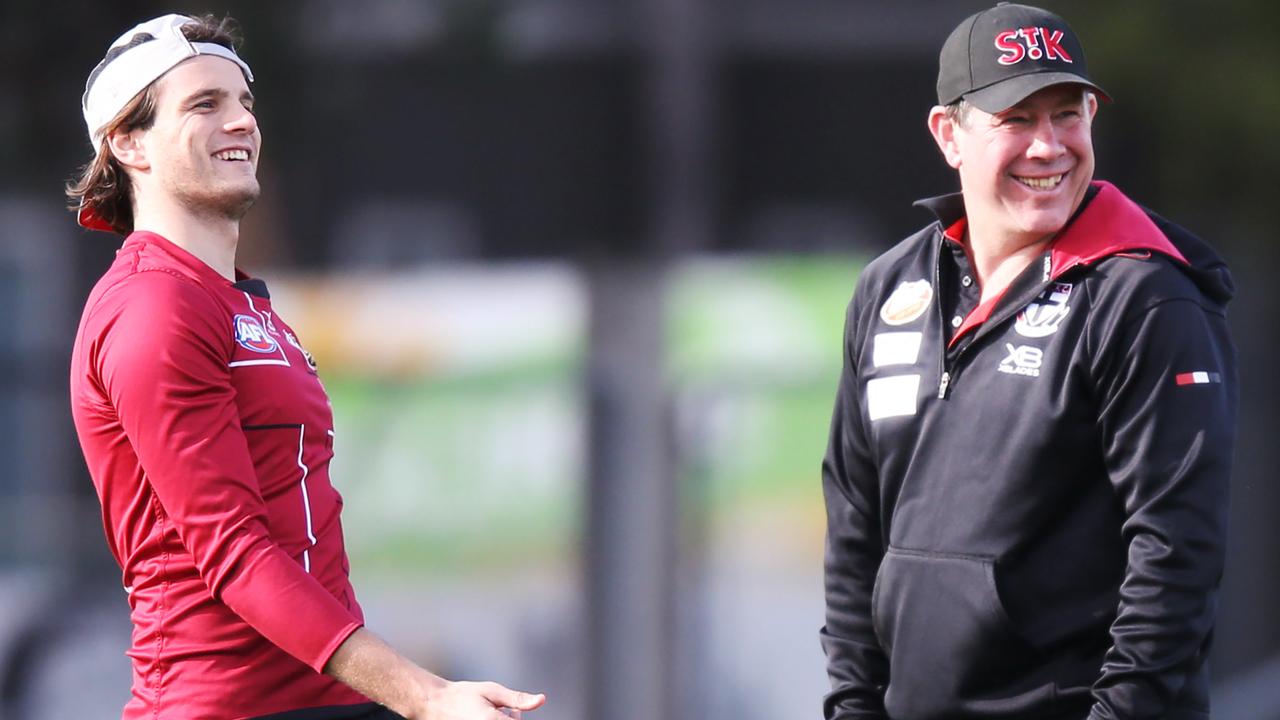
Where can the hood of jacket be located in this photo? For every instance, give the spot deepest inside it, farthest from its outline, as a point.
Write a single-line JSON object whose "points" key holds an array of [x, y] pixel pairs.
{"points": [[1109, 223]]}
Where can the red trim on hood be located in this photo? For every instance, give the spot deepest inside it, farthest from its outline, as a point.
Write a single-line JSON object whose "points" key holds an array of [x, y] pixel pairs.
{"points": [[1110, 224]]}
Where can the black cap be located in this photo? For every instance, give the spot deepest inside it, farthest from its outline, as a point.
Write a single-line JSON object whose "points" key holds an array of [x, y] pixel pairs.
{"points": [[998, 57]]}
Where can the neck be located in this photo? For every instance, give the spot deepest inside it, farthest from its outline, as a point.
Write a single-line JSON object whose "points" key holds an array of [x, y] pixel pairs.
{"points": [[998, 257], [212, 239]]}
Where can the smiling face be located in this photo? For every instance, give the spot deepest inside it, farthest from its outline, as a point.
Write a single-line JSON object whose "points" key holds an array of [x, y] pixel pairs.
{"points": [[1025, 170], [202, 150]]}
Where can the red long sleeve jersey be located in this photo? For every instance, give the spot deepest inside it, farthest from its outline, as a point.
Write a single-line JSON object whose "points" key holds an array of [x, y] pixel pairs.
{"points": [[208, 436]]}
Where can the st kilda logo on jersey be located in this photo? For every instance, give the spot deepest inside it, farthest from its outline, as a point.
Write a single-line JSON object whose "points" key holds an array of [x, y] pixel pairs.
{"points": [[311, 361], [1035, 43], [250, 335], [1043, 316]]}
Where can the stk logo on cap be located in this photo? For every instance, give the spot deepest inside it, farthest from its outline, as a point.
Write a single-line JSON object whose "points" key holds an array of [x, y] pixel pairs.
{"points": [[998, 57]]}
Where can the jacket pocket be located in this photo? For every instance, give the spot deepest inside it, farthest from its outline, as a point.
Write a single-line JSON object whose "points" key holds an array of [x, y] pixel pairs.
{"points": [[948, 637]]}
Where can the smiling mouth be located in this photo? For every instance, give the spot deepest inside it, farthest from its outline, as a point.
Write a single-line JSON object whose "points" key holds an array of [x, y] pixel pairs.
{"points": [[233, 155], [1041, 183]]}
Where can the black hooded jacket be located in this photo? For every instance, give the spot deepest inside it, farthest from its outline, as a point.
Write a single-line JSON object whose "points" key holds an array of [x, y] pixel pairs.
{"points": [[1027, 501]]}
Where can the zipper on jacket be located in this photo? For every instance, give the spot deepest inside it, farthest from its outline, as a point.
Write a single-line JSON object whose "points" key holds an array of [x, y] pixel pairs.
{"points": [[945, 380]]}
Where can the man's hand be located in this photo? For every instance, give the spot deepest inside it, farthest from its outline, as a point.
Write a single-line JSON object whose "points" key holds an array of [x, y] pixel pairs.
{"points": [[476, 701], [372, 667]]}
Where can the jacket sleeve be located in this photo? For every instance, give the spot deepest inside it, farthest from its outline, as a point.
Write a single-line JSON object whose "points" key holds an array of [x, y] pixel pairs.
{"points": [[1168, 437], [162, 359], [856, 665]]}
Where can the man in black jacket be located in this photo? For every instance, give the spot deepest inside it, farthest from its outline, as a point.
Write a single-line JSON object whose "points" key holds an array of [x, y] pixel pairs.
{"points": [[1026, 482]]}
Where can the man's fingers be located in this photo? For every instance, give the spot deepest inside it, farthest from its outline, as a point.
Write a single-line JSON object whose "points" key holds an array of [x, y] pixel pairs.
{"points": [[506, 698]]}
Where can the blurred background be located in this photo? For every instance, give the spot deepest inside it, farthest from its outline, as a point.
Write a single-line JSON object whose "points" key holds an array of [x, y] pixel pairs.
{"points": [[574, 272]]}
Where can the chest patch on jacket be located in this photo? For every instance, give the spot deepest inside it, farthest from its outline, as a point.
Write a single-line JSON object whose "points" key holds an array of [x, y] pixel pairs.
{"points": [[907, 303], [250, 335], [1043, 316]]}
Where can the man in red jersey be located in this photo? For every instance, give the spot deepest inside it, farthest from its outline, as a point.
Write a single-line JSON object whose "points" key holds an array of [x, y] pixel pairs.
{"points": [[204, 425]]}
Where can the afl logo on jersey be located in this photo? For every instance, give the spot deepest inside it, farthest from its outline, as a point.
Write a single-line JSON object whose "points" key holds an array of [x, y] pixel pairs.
{"points": [[252, 336], [907, 303]]}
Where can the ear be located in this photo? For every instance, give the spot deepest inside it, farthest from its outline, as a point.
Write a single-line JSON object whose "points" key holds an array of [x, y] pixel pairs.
{"points": [[1091, 105], [129, 149], [944, 132]]}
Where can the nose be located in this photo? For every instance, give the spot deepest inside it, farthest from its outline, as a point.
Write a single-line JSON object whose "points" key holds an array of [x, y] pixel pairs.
{"points": [[1045, 144], [241, 121]]}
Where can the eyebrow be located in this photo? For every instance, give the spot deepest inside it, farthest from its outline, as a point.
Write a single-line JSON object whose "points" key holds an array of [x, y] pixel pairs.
{"points": [[217, 93]]}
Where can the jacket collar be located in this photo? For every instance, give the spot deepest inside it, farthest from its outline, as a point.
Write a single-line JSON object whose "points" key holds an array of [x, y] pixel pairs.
{"points": [[1107, 223], [1111, 224], [949, 208]]}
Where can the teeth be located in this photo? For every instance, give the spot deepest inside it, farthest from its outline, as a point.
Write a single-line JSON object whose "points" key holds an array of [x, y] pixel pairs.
{"points": [[232, 155], [1041, 183]]}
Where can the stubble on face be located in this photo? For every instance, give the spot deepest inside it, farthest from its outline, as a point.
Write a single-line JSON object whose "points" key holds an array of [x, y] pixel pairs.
{"points": [[209, 200]]}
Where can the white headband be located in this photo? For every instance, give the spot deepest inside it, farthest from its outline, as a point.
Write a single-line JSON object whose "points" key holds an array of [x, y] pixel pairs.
{"points": [[134, 61]]}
